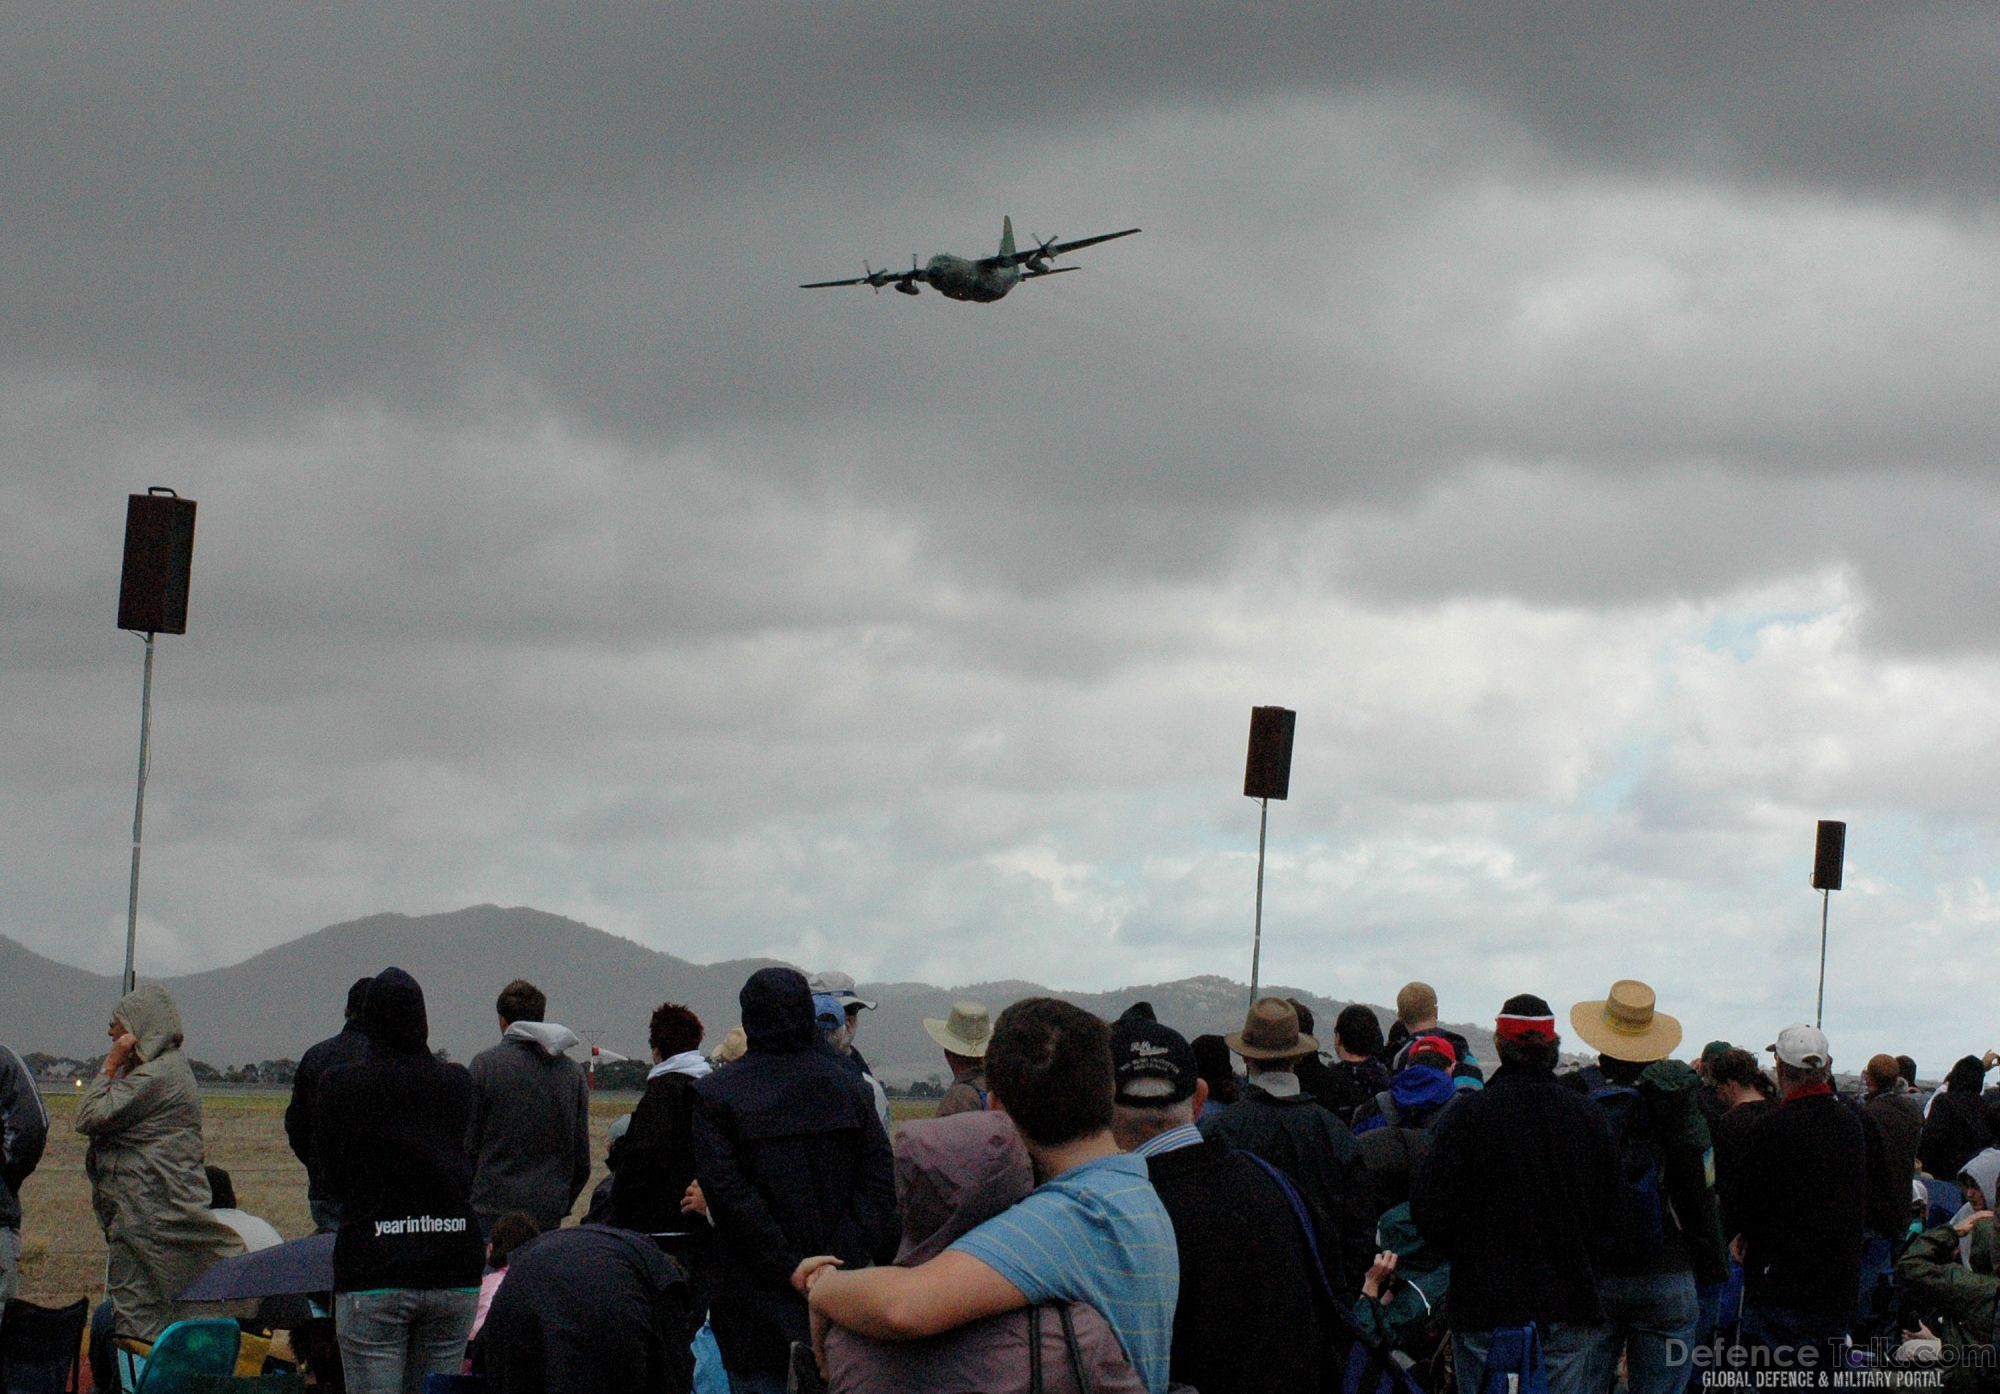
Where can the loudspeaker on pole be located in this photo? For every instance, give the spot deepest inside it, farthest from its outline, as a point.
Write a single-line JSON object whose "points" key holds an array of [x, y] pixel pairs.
{"points": [[1829, 851], [1268, 772], [159, 557]]}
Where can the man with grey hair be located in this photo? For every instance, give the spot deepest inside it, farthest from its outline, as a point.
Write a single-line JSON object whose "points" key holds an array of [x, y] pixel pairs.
{"points": [[1800, 1198], [1247, 1318]]}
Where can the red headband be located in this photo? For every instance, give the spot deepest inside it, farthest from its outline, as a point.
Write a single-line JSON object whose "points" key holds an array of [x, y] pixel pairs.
{"points": [[1525, 1030]]}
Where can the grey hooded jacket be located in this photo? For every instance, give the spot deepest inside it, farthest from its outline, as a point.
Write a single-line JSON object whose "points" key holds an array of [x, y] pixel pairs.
{"points": [[530, 1133], [145, 1167], [24, 1128]]}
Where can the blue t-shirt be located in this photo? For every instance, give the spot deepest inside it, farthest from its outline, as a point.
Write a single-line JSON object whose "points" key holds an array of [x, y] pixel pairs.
{"points": [[1095, 1234]]}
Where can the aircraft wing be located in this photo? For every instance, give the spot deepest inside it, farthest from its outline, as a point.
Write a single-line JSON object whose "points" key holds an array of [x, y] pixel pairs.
{"points": [[1048, 271], [850, 281], [1054, 249]]}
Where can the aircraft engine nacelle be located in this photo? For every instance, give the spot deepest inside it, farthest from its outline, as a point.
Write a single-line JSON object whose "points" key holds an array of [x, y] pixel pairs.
{"points": [[907, 287]]}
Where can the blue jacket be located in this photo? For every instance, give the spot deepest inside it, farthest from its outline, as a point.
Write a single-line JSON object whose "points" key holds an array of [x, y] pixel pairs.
{"points": [[793, 1162]]}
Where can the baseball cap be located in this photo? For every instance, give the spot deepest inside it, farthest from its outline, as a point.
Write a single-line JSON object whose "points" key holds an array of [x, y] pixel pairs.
{"points": [[1802, 1047], [1428, 1044], [1142, 1049], [841, 986], [828, 1012]]}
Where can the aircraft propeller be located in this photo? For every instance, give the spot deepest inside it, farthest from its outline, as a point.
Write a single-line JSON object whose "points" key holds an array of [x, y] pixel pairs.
{"points": [[1043, 251]]}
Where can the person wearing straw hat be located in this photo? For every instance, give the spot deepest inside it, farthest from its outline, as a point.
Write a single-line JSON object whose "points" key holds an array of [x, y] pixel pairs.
{"points": [[1278, 1121], [963, 1036], [1666, 1246]]}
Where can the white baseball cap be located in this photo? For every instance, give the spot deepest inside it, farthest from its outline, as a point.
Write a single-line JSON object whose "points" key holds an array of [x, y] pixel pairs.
{"points": [[1802, 1047]]}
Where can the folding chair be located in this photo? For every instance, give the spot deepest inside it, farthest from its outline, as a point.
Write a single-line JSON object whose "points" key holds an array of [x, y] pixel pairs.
{"points": [[184, 1350], [41, 1348]]}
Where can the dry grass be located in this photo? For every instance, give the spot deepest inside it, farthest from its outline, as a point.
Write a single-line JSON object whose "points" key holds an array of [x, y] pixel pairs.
{"points": [[63, 1251], [62, 1255]]}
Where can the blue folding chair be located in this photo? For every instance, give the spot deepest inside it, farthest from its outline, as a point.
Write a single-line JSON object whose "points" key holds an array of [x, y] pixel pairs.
{"points": [[184, 1350]]}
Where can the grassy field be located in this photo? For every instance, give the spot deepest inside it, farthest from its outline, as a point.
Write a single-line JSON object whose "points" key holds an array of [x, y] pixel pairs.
{"points": [[62, 1255]]}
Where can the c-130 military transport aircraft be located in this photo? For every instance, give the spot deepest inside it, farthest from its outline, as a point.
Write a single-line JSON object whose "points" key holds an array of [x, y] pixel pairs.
{"points": [[984, 280]]}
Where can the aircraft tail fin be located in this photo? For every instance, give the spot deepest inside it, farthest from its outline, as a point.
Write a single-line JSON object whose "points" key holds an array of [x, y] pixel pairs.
{"points": [[1006, 236]]}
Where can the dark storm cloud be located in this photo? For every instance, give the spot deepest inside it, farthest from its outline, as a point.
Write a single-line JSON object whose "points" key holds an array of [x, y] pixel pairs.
{"points": [[379, 199]]}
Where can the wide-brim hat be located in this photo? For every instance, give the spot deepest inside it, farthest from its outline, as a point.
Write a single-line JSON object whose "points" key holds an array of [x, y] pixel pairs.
{"points": [[1271, 1032], [965, 1032], [1627, 1025]]}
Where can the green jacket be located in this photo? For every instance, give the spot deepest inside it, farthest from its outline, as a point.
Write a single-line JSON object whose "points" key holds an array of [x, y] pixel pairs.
{"points": [[1958, 1302], [1414, 1316]]}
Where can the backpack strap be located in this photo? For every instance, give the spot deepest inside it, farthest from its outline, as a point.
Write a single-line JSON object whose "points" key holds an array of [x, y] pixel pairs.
{"points": [[1076, 1365], [1035, 1350], [1385, 1103], [1298, 1204]]}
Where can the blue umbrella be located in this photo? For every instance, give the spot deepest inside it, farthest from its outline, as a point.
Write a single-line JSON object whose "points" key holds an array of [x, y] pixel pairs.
{"points": [[297, 1265]]}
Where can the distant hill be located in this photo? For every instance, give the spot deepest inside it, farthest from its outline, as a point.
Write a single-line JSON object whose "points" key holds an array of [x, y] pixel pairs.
{"points": [[279, 1002]]}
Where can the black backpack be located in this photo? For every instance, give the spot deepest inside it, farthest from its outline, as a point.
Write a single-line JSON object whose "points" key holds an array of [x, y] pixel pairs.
{"points": [[1639, 1216]]}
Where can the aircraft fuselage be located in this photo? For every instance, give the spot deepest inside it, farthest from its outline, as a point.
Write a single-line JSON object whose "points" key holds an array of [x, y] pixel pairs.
{"points": [[958, 278]]}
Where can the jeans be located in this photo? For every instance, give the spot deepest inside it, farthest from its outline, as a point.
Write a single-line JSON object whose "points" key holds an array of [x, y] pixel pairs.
{"points": [[10, 1267], [1568, 1356], [1643, 1313], [390, 1340], [1783, 1330]]}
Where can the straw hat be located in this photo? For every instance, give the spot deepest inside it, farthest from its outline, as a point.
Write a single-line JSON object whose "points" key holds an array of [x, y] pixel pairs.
{"points": [[1625, 1025], [965, 1032], [1271, 1032]]}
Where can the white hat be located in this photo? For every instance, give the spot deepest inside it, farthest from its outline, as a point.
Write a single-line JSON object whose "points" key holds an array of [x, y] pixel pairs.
{"points": [[1802, 1047], [840, 986]]}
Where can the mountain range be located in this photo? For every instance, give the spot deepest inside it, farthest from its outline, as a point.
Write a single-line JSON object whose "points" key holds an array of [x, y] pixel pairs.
{"points": [[275, 1004]]}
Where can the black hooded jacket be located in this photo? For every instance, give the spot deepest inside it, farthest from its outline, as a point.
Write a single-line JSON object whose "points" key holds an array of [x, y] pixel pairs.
{"points": [[1956, 1129], [389, 1139], [793, 1161]]}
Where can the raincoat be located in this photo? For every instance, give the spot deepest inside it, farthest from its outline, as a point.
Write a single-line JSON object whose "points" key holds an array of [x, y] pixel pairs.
{"points": [[145, 1167]]}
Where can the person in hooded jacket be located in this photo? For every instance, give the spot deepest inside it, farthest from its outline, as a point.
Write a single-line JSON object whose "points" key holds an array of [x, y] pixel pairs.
{"points": [[344, 1047], [587, 1310], [1393, 1129], [653, 1164], [1955, 1127], [792, 1161], [389, 1136], [1956, 1293], [952, 1175], [142, 1114], [530, 1130]]}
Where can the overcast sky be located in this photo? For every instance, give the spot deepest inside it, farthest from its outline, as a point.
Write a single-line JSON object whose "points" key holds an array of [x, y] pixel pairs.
{"points": [[1583, 416]]}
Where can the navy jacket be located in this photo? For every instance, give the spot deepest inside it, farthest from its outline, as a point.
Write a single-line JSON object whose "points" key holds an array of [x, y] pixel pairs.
{"points": [[587, 1310], [793, 1161]]}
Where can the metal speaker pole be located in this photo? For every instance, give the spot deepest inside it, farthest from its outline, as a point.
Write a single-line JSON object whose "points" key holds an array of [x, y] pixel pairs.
{"points": [[152, 600], [1267, 775], [1829, 855]]}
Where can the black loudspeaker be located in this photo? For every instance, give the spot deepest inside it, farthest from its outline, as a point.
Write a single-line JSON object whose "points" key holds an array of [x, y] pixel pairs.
{"points": [[1828, 853], [159, 555], [1268, 774]]}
